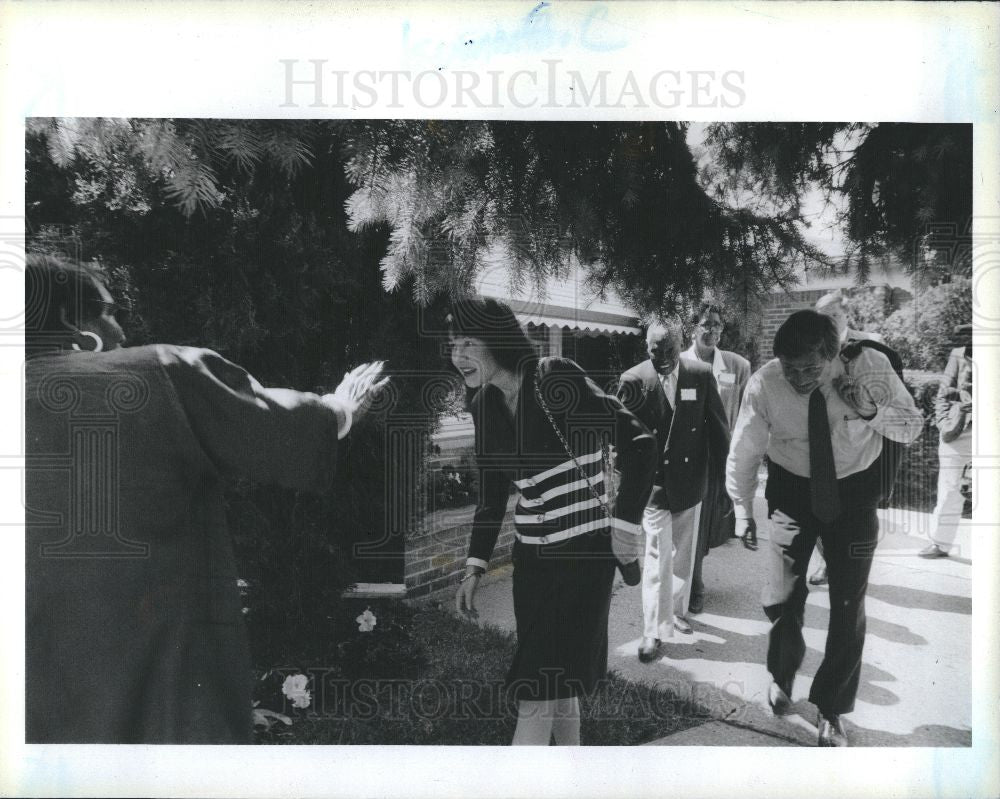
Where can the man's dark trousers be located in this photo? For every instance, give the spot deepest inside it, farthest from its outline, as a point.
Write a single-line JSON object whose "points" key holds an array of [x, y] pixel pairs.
{"points": [[849, 544]]}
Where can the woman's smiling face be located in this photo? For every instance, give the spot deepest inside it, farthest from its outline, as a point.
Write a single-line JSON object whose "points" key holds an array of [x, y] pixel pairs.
{"points": [[473, 360]]}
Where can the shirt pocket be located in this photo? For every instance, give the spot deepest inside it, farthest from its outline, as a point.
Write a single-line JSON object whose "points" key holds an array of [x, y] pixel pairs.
{"points": [[856, 431]]}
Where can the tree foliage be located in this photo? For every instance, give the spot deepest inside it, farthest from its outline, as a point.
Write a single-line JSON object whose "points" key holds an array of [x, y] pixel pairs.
{"points": [[922, 331], [907, 187], [624, 199]]}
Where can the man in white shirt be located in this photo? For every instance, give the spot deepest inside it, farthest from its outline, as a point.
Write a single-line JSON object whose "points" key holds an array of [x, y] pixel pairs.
{"points": [[820, 421], [834, 305]]}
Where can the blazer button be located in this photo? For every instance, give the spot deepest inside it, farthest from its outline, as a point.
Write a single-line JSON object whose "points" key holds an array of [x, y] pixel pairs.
{"points": [[685, 460], [694, 429], [666, 462]]}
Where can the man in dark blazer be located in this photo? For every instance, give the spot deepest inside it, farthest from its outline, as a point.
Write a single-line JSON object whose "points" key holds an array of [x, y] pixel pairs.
{"points": [[677, 399]]}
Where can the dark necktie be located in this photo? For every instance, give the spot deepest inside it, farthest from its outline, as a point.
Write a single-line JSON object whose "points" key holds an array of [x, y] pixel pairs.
{"points": [[822, 471]]}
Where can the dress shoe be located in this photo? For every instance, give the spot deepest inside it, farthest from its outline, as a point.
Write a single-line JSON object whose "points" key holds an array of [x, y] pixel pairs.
{"points": [[933, 551], [649, 648], [750, 539], [818, 577], [697, 604], [831, 731], [681, 625], [778, 699]]}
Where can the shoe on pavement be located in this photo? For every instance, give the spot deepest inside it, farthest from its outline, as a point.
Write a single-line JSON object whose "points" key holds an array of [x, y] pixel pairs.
{"points": [[778, 700], [933, 551], [818, 577], [831, 731], [681, 625], [750, 539], [649, 648], [697, 604]]}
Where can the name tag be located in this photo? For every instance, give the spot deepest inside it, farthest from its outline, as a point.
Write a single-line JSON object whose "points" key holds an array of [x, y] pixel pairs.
{"points": [[727, 378], [689, 394]]}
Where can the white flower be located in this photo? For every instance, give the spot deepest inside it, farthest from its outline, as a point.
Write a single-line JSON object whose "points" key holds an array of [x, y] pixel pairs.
{"points": [[295, 689], [366, 621]]}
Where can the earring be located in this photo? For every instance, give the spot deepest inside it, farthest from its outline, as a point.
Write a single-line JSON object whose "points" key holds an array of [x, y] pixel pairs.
{"points": [[98, 342]]}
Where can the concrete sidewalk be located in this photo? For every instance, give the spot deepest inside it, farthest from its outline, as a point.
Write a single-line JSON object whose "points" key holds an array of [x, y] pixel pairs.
{"points": [[915, 680]]}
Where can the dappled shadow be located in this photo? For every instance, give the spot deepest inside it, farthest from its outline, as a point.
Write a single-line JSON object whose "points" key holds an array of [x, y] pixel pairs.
{"points": [[924, 735], [897, 633], [919, 599]]}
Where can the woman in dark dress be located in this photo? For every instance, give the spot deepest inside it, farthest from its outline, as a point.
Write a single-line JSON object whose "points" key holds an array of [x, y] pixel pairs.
{"points": [[541, 426]]}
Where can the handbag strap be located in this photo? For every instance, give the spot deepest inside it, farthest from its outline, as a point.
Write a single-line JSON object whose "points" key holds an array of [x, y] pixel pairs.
{"points": [[569, 452]]}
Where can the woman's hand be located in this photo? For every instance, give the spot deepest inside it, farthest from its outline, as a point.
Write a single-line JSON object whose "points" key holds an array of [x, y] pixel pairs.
{"points": [[465, 597], [627, 541]]}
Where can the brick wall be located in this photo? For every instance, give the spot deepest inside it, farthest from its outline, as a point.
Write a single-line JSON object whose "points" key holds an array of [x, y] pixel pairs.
{"points": [[435, 556], [779, 305]]}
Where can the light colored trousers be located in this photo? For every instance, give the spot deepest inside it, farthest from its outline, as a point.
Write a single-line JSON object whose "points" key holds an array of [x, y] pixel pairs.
{"points": [[952, 458], [667, 569]]}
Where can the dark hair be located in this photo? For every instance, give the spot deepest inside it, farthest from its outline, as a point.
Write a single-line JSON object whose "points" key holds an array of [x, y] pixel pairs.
{"points": [[807, 332], [54, 289], [704, 310], [494, 323]]}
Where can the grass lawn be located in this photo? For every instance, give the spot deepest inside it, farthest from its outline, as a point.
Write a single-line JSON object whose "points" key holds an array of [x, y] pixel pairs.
{"points": [[423, 676]]}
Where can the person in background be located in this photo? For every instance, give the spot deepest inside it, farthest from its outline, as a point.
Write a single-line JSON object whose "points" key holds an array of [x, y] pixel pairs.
{"points": [[834, 305], [677, 399], [540, 427], [133, 624], [731, 372], [820, 421], [953, 414]]}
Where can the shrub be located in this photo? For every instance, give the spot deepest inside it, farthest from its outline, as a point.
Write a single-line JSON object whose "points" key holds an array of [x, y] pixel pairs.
{"points": [[921, 332]]}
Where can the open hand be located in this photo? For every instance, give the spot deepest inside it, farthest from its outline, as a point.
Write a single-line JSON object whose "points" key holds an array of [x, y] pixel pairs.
{"points": [[465, 596], [359, 387]]}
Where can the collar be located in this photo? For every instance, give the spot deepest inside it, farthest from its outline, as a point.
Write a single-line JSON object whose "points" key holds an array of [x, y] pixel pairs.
{"points": [[718, 364]]}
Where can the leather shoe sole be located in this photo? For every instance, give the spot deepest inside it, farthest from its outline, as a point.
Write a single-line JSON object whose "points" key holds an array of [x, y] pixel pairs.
{"points": [[682, 626], [649, 648]]}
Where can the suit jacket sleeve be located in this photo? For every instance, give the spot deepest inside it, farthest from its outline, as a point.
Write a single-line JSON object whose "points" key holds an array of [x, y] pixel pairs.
{"points": [[270, 435]]}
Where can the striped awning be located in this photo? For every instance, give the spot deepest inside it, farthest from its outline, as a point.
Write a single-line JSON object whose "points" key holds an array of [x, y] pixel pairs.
{"points": [[596, 322]]}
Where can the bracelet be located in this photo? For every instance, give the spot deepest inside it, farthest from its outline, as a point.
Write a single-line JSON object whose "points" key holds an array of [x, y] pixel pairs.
{"points": [[471, 574]]}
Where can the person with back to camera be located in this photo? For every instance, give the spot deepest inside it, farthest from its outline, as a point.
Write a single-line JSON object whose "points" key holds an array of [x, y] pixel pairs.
{"points": [[540, 425], [134, 630], [820, 420]]}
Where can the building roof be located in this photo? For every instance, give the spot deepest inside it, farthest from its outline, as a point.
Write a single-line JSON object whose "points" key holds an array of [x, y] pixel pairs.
{"points": [[567, 302]]}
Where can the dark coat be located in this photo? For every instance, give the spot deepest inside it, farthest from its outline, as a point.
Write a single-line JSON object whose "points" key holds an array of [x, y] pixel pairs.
{"points": [[134, 629], [698, 428]]}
